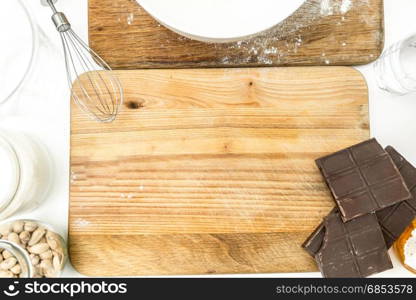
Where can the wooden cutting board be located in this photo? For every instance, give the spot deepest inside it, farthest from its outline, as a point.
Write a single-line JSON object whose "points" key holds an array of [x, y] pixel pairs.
{"points": [[321, 32], [209, 171]]}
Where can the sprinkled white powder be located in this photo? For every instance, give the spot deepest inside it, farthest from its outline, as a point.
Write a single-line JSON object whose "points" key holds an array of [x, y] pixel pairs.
{"points": [[130, 18], [81, 223], [345, 6], [327, 8]]}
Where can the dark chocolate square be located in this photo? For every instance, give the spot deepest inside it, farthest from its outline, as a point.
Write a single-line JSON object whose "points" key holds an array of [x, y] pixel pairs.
{"points": [[363, 179], [359, 224], [373, 262], [350, 249], [366, 151], [401, 213], [339, 161], [379, 170], [349, 270], [342, 185], [342, 248], [395, 219], [389, 190], [367, 241], [355, 204]]}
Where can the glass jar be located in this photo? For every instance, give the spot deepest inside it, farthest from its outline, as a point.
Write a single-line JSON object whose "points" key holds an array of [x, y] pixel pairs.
{"points": [[20, 46], [23, 260], [36, 247], [26, 173], [396, 69]]}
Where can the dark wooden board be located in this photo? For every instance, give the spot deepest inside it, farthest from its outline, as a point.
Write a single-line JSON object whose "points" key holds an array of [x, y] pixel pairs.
{"points": [[343, 33]]}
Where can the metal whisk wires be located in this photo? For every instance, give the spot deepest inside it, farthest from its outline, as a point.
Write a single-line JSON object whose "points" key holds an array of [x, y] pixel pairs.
{"points": [[94, 86]]}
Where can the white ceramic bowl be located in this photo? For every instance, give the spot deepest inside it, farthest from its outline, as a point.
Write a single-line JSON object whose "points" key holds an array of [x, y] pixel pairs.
{"points": [[220, 20]]}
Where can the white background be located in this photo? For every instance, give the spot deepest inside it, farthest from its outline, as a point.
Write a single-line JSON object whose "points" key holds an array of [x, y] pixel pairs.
{"points": [[42, 108]]}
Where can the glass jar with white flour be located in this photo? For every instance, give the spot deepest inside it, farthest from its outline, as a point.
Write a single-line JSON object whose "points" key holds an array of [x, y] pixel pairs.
{"points": [[25, 173]]}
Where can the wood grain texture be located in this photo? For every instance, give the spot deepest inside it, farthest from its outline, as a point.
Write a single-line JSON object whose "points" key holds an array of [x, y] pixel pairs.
{"points": [[343, 33], [207, 165], [190, 254]]}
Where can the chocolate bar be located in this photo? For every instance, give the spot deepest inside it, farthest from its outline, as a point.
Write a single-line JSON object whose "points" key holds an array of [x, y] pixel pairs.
{"points": [[354, 249], [363, 179], [395, 219]]}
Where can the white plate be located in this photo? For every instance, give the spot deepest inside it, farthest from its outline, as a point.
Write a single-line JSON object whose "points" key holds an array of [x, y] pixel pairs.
{"points": [[220, 20]]}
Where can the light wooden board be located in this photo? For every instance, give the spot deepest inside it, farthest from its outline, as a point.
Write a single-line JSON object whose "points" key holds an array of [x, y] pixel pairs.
{"points": [[321, 32], [209, 171]]}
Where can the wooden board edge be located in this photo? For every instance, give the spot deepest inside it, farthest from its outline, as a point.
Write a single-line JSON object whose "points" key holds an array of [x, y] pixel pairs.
{"points": [[381, 41], [196, 254]]}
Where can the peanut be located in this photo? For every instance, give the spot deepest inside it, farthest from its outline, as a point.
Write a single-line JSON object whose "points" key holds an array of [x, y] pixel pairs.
{"points": [[16, 269], [46, 265], [34, 259], [6, 254], [6, 274], [53, 240], [46, 255], [18, 226], [39, 248], [4, 230], [30, 226], [24, 237], [9, 263], [14, 238], [37, 235], [57, 263]]}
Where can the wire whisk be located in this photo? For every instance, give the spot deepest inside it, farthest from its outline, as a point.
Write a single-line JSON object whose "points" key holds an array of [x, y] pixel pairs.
{"points": [[94, 86]]}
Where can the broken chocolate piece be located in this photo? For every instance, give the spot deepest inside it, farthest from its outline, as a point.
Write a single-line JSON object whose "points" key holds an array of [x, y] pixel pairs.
{"points": [[395, 219], [314, 242], [363, 179], [353, 249]]}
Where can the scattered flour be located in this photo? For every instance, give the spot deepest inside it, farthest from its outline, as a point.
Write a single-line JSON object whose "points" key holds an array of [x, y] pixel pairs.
{"points": [[345, 6], [130, 18], [288, 38], [81, 223], [327, 8]]}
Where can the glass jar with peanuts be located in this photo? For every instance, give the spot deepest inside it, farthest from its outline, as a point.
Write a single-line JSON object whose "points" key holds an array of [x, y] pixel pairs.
{"points": [[31, 249]]}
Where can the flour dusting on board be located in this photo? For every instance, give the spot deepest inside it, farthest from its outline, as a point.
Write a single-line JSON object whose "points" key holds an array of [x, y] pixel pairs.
{"points": [[291, 35], [327, 7], [346, 6], [81, 223], [130, 18]]}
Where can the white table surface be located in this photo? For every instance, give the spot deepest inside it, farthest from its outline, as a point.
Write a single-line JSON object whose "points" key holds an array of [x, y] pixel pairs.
{"points": [[42, 109]]}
